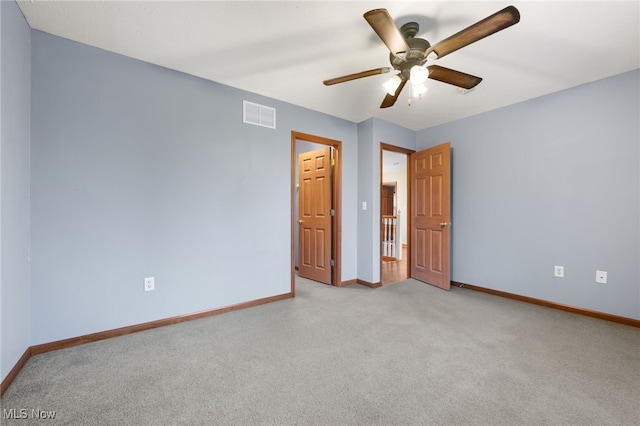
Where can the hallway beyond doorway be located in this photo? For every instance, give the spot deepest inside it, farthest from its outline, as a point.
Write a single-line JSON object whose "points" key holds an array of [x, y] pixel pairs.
{"points": [[396, 270]]}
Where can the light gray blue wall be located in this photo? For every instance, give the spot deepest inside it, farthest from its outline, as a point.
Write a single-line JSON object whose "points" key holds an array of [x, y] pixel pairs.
{"points": [[551, 181], [15, 67], [371, 133], [366, 255], [141, 171]]}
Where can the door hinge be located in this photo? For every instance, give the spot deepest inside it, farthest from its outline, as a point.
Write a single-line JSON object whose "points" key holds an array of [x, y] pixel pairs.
{"points": [[332, 263], [333, 161], [332, 212]]}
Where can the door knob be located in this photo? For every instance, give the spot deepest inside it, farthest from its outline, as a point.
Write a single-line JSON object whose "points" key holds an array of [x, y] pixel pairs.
{"points": [[443, 224], [299, 220]]}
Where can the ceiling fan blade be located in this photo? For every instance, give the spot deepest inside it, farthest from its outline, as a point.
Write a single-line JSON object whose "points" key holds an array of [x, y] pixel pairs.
{"points": [[490, 25], [355, 76], [383, 25], [389, 100], [457, 78]]}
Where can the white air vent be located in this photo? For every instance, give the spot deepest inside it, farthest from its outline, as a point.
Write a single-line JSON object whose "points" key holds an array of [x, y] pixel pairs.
{"points": [[259, 115]]}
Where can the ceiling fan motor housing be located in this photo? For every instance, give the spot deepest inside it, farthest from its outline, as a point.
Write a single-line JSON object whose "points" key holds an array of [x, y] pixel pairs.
{"points": [[415, 56], [409, 30]]}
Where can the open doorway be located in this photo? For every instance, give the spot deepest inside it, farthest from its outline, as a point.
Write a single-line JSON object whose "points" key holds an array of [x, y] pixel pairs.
{"points": [[316, 212], [394, 217]]}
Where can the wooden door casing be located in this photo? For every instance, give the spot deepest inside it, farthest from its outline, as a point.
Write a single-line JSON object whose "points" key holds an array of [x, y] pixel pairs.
{"points": [[385, 279]]}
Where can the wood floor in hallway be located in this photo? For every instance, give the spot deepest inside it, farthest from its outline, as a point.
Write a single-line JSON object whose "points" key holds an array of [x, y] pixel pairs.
{"points": [[395, 271]]}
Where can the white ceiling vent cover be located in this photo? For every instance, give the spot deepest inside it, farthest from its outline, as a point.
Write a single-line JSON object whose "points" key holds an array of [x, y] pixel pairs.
{"points": [[259, 115]]}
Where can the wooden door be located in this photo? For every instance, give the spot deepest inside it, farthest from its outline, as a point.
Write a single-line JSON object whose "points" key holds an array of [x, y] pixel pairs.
{"points": [[314, 215], [388, 199], [430, 181]]}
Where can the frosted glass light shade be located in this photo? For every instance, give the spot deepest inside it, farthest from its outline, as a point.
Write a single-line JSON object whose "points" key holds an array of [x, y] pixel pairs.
{"points": [[418, 90], [418, 74], [392, 84]]}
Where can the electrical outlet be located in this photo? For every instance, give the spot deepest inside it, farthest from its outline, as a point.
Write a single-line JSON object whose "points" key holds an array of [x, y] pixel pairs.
{"points": [[601, 277], [558, 271], [149, 284]]}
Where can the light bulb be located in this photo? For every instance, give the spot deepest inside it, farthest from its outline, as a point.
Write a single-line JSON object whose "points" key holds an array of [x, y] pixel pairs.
{"points": [[418, 74]]}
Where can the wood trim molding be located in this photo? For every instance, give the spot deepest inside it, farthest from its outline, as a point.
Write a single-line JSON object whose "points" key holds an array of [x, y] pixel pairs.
{"points": [[336, 240], [94, 337], [553, 305], [394, 148], [102, 335], [368, 284], [14, 371], [347, 283]]}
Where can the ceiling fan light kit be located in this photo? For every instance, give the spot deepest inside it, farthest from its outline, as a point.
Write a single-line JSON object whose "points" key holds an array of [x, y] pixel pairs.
{"points": [[391, 85], [418, 91], [409, 54], [418, 74]]}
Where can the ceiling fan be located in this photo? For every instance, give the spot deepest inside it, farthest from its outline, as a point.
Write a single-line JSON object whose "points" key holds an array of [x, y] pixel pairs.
{"points": [[410, 54]]}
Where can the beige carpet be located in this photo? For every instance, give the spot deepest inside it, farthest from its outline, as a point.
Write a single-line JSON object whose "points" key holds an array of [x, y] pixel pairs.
{"points": [[396, 355]]}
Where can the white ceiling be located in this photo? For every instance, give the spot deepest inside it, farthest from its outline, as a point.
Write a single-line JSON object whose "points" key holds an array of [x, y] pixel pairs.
{"points": [[285, 49], [393, 162]]}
